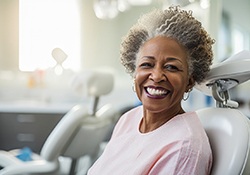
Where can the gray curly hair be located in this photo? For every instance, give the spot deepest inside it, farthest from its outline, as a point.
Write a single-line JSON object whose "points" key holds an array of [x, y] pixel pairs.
{"points": [[174, 23]]}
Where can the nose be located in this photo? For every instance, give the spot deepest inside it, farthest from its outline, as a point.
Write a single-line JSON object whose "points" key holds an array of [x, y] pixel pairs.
{"points": [[158, 75]]}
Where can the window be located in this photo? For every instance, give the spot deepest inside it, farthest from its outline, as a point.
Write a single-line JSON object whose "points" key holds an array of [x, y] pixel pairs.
{"points": [[45, 25], [240, 39]]}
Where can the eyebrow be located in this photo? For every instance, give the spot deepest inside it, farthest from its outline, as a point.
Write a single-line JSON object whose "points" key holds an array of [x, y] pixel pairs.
{"points": [[147, 57], [168, 58]]}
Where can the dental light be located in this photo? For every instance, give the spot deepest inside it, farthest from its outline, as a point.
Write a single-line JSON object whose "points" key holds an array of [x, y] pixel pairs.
{"points": [[59, 56], [106, 9], [109, 9]]}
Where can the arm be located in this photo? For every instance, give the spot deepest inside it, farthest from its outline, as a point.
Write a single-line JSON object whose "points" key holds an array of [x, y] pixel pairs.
{"points": [[182, 161]]}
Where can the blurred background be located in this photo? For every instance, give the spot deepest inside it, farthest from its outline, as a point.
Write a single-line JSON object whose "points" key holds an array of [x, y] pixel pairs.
{"points": [[89, 33], [46, 47]]}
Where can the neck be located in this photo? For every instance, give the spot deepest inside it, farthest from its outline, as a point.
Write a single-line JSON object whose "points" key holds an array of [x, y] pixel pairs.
{"points": [[152, 121]]}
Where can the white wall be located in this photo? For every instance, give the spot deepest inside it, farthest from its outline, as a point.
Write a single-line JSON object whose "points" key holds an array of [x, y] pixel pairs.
{"points": [[239, 12], [100, 38], [8, 34]]}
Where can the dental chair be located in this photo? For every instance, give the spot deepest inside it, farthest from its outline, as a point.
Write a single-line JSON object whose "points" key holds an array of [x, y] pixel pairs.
{"points": [[78, 133], [227, 128]]}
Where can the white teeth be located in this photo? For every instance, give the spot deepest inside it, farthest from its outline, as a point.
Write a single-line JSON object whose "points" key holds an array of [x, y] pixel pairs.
{"points": [[152, 91]]}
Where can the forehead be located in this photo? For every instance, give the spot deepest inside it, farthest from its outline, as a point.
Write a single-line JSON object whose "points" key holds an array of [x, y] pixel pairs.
{"points": [[165, 46]]}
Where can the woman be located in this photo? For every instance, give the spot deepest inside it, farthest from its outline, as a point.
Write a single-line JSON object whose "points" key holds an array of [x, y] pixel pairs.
{"points": [[166, 53]]}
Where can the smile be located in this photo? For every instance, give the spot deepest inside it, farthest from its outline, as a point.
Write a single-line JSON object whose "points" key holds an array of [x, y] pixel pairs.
{"points": [[156, 91]]}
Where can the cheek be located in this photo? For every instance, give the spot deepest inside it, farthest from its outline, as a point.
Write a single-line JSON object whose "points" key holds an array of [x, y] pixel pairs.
{"points": [[141, 76], [137, 83], [179, 83], [139, 79]]}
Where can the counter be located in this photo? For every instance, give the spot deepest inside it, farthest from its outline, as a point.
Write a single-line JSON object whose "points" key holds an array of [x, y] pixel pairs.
{"points": [[29, 123]]}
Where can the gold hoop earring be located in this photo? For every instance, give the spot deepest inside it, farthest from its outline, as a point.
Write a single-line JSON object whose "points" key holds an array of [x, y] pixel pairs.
{"points": [[187, 96]]}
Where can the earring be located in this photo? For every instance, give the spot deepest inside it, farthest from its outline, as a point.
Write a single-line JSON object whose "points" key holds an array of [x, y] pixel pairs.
{"points": [[187, 96], [133, 86]]}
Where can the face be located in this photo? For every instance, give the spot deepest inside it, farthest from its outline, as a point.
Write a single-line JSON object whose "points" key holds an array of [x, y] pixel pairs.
{"points": [[161, 75]]}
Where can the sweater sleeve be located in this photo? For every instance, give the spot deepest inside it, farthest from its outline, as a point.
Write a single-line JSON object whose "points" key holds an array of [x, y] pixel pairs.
{"points": [[183, 159]]}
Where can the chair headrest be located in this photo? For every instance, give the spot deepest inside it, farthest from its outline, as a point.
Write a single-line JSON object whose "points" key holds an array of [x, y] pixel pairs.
{"points": [[224, 76], [93, 83], [100, 83], [234, 71]]}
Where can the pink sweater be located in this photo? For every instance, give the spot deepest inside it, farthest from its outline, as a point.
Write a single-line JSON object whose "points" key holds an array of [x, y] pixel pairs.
{"points": [[179, 147]]}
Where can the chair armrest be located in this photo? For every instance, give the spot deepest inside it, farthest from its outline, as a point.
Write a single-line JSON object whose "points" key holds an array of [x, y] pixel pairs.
{"points": [[39, 166], [8, 158]]}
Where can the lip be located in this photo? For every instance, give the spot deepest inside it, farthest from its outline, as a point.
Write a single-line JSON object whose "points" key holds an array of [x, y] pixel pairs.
{"points": [[164, 92]]}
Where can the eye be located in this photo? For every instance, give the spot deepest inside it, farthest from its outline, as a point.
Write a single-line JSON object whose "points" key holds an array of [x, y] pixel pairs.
{"points": [[146, 65], [171, 68]]}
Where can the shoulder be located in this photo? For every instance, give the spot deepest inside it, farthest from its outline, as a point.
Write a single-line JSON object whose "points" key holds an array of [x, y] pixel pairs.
{"points": [[187, 127], [193, 123], [128, 121], [189, 121], [189, 145], [195, 135], [133, 114]]}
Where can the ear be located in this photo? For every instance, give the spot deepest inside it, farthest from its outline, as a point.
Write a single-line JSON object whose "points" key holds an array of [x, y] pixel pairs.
{"points": [[190, 84]]}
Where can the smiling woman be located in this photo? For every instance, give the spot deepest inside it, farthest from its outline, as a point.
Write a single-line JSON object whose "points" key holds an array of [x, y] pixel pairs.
{"points": [[45, 25], [167, 63], [166, 52]]}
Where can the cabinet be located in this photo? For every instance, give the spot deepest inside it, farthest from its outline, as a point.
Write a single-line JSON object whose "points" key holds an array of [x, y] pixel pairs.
{"points": [[18, 130]]}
